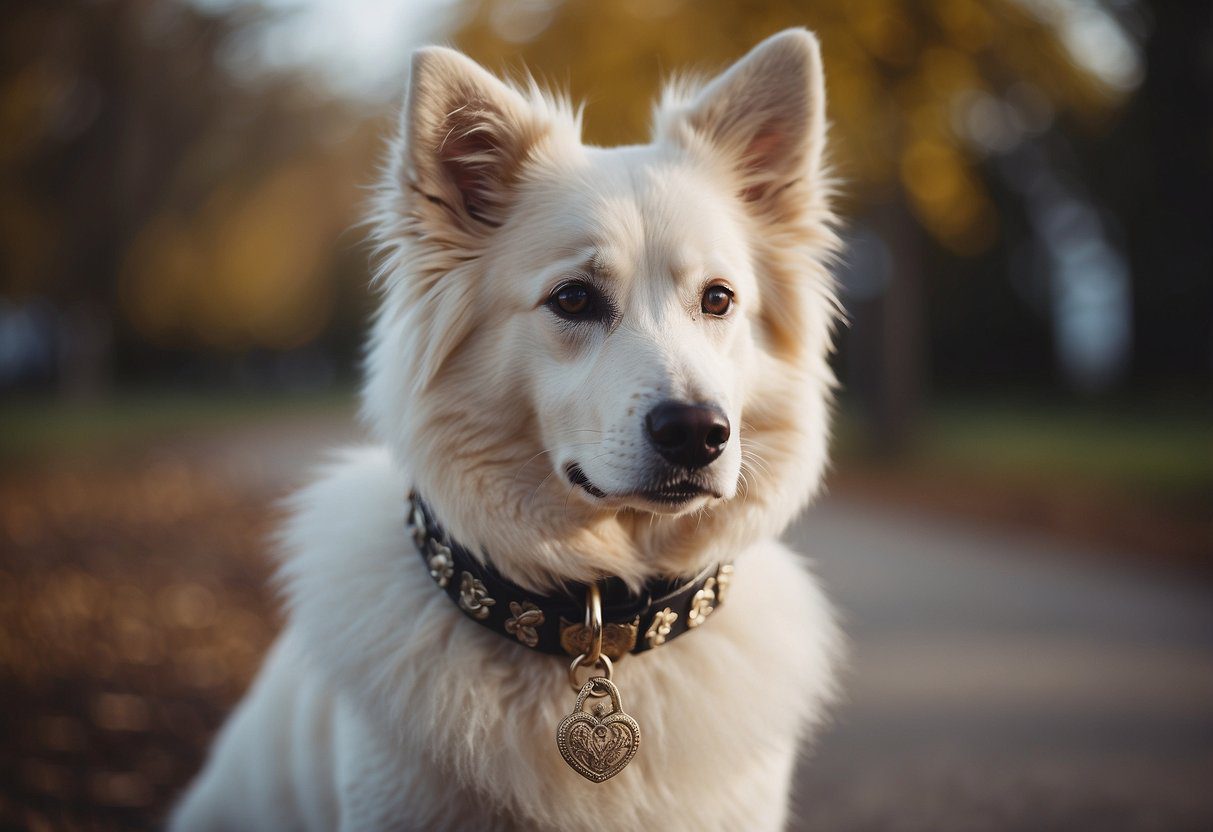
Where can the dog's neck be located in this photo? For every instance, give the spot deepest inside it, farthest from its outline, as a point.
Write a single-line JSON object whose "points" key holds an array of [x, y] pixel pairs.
{"points": [[634, 622], [541, 536]]}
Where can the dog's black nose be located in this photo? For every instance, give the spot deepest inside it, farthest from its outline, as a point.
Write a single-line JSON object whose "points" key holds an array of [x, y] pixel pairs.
{"points": [[691, 435]]}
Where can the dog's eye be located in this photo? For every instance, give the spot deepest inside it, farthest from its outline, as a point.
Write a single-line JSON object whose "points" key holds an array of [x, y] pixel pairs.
{"points": [[573, 300], [717, 300]]}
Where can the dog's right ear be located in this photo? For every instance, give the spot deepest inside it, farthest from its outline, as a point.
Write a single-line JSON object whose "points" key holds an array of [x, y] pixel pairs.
{"points": [[467, 135]]}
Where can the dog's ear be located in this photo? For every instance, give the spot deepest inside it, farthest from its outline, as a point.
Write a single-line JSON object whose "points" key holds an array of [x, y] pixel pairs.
{"points": [[466, 134], [765, 116]]}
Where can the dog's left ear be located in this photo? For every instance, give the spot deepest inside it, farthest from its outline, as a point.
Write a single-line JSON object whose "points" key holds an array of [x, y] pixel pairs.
{"points": [[765, 116]]}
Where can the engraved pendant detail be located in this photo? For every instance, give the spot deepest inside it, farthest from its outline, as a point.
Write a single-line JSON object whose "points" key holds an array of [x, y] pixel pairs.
{"points": [[598, 745]]}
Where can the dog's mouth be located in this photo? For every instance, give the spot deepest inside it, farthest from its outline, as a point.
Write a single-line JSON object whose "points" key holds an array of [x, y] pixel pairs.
{"points": [[669, 494], [676, 493], [577, 477]]}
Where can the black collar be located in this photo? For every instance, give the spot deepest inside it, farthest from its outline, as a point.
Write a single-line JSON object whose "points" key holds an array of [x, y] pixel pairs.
{"points": [[554, 624]]}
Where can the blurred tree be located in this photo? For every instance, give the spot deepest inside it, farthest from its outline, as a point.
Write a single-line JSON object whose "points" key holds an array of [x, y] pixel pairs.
{"points": [[1155, 170], [180, 206], [919, 95], [155, 195], [899, 75]]}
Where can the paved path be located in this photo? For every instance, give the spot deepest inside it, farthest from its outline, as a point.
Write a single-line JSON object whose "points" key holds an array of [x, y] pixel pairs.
{"points": [[1006, 683]]}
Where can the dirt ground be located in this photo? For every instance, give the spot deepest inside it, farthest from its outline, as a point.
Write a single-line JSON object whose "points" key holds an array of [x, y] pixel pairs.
{"points": [[134, 609]]}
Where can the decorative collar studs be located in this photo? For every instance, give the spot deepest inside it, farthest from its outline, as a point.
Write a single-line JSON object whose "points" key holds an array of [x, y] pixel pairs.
{"points": [[552, 623]]}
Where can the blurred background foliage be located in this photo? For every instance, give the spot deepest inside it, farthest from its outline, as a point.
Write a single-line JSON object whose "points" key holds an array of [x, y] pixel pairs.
{"points": [[1025, 192], [918, 93], [158, 206]]}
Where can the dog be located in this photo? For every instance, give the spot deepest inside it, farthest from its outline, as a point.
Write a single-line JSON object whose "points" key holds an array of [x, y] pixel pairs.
{"points": [[592, 368]]}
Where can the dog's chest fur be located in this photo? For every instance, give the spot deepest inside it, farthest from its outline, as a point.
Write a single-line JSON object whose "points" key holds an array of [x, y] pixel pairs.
{"points": [[432, 722]]}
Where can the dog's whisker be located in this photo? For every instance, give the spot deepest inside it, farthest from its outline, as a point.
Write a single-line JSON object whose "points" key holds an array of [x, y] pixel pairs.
{"points": [[564, 512], [745, 482], [528, 462], [757, 466], [758, 462], [531, 499], [753, 443], [523, 466]]}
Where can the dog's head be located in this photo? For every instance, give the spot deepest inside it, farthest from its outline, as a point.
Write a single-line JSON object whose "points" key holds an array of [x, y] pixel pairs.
{"points": [[607, 361]]}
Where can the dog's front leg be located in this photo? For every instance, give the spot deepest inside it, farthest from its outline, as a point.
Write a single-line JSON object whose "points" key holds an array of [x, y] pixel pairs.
{"points": [[379, 787], [384, 784], [270, 768]]}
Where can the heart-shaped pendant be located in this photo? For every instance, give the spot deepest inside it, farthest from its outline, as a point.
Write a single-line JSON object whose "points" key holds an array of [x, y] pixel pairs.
{"points": [[598, 745]]}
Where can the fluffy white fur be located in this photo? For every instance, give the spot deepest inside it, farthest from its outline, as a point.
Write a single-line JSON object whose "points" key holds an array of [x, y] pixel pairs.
{"points": [[382, 707]]}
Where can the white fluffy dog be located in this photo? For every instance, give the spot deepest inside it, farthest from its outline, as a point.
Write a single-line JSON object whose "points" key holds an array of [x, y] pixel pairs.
{"points": [[592, 364]]}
